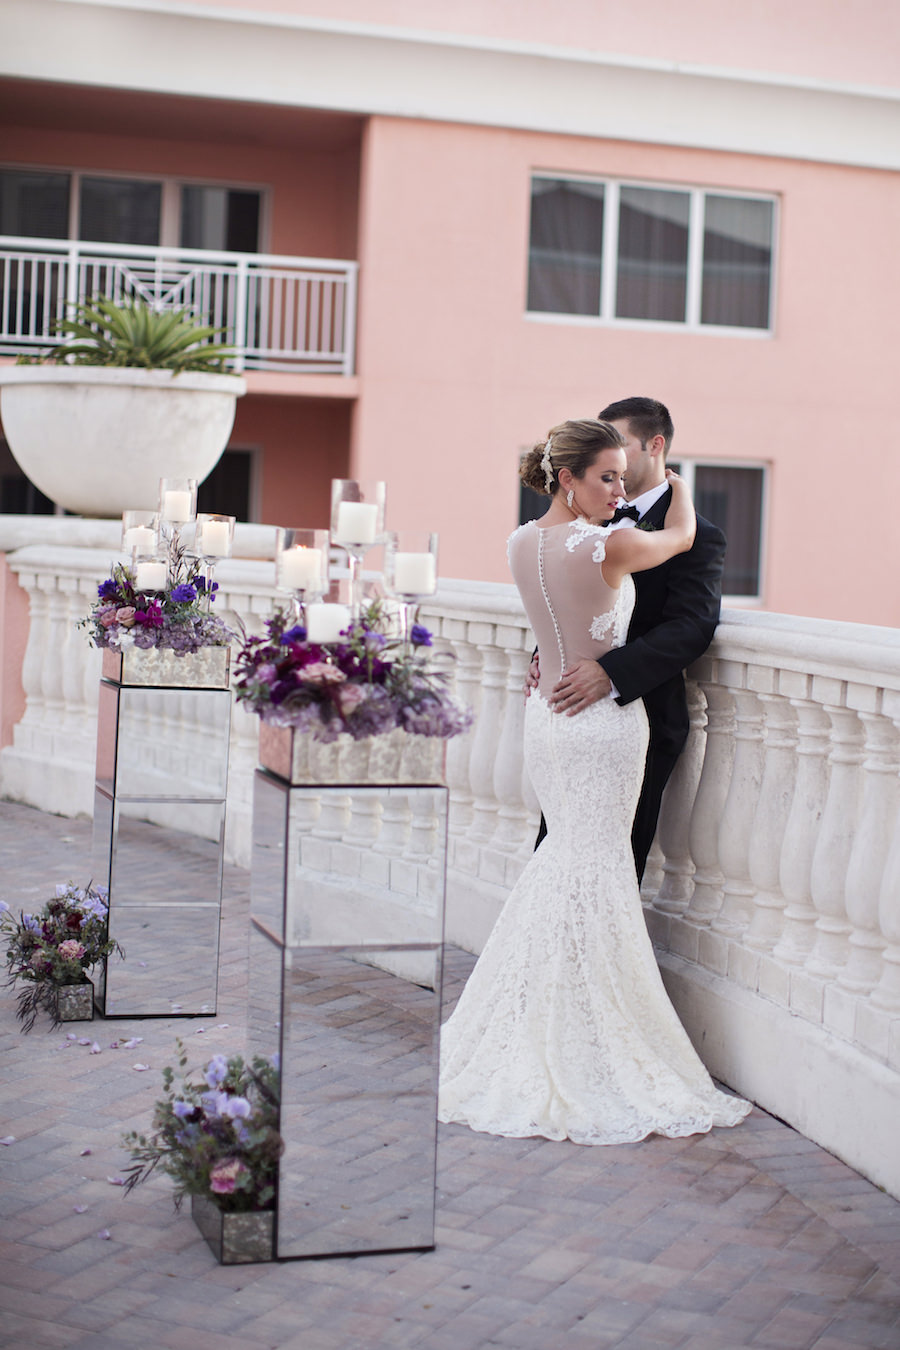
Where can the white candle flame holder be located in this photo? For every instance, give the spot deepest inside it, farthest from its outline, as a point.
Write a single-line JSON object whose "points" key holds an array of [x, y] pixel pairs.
{"points": [[357, 524]]}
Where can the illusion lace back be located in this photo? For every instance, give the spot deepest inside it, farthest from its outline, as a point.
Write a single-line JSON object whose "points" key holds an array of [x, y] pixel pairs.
{"points": [[564, 1028]]}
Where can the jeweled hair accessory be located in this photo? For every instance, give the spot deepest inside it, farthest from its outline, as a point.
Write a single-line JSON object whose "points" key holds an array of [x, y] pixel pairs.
{"points": [[546, 465]]}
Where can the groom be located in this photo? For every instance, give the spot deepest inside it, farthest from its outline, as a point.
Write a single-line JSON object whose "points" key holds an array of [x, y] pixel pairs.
{"points": [[675, 615]]}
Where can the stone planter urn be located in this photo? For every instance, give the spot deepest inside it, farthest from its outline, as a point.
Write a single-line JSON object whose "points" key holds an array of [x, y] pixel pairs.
{"points": [[97, 439]]}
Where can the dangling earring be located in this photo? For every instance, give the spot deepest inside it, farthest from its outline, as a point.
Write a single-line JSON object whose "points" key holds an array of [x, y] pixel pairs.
{"points": [[570, 497]]}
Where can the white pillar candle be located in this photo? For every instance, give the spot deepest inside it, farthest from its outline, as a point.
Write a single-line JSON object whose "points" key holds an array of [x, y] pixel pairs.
{"points": [[215, 540], [150, 576], [300, 568], [414, 573], [356, 523], [140, 537], [177, 506], [324, 623]]}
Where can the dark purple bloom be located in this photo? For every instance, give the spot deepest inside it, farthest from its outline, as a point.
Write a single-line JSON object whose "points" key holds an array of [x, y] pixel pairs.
{"points": [[151, 617], [108, 589], [295, 634], [420, 637], [183, 594]]}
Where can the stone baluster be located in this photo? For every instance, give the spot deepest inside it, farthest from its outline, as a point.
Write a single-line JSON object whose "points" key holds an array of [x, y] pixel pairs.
{"points": [[75, 710], [803, 822], [871, 841], [52, 668], [512, 816], [395, 823], [835, 839], [459, 749], [738, 815], [886, 994], [487, 735], [675, 816], [709, 803], [776, 796]]}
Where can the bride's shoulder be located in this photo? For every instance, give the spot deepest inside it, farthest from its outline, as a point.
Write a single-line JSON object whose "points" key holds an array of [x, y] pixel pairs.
{"points": [[581, 532], [518, 533]]}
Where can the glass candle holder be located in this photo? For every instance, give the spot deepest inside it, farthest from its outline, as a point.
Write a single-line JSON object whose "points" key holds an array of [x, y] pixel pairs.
{"points": [[213, 539], [301, 565], [150, 574], [140, 533], [177, 506], [357, 524], [410, 570]]}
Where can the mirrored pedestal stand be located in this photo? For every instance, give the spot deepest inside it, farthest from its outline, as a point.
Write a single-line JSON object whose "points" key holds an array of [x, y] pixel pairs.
{"points": [[347, 920], [159, 831]]}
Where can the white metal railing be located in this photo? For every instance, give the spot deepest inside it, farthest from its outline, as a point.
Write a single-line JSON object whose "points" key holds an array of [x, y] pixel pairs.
{"points": [[773, 892], [279, 313]]}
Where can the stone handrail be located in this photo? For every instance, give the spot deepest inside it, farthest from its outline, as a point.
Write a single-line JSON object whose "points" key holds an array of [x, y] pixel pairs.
{"points": [[773, 892]]}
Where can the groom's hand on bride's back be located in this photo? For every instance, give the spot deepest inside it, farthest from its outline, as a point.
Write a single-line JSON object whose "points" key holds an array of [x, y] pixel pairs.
{"points": [[584, 684], [533, 674]]}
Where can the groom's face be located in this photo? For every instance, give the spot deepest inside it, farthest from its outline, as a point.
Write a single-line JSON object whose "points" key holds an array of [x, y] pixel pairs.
{"points": [[641, 471]]}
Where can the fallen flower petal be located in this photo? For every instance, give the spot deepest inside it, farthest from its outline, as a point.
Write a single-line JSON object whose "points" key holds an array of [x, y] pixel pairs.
{"points": [[95, 1048], [141, 1068], [116, 1181], [80, 1209], [132, 1042], [104, 1234], [70, 1036], [8, 1139], [85, 1153], [84, 1040]]}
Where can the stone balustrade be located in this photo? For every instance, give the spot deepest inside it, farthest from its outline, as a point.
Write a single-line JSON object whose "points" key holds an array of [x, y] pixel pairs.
{"points": [[773, 892]]}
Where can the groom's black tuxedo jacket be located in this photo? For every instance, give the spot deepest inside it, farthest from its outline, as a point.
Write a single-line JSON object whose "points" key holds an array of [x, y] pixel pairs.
{"points": [[675, 615]]}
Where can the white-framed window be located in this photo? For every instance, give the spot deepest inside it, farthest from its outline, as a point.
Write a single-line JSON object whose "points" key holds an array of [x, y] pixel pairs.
{"points": [[130, 209], [644, 253], [732, 496]]}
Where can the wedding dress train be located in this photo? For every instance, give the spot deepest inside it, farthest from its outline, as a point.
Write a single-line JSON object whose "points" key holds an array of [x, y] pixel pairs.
{"points": [[564, 1028]]}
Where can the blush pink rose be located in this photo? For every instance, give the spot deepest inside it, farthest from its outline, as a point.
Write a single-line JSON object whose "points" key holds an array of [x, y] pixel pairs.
{"points": [[125, 616]]}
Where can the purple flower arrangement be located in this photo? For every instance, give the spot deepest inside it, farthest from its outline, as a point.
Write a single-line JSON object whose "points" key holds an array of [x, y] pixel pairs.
{"points": [[216, 1135], [364, 685], [177, 618], [55, 946]]}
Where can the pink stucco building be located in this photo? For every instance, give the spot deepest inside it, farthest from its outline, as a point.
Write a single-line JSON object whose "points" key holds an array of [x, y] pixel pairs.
{"points": [[530, 210]]}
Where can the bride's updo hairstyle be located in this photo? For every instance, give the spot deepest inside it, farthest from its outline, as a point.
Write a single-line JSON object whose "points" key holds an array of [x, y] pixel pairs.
{"points": [[571, 445]]}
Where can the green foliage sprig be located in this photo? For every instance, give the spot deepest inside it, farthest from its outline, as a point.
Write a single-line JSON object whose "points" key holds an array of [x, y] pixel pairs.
{"points": [[105, 332]]}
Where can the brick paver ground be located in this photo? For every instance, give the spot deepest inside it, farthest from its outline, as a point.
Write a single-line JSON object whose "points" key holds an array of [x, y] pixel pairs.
{"points": [[747, 1237]]}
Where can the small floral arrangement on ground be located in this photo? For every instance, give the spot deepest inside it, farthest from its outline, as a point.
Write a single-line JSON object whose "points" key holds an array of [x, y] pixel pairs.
{"points": [[56, 946], [364, 685], [216, 1136], [177, 618]]}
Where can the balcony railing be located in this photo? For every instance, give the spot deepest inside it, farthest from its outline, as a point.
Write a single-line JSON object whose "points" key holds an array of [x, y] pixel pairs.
{"points": [[279, 313], [773, 894]]}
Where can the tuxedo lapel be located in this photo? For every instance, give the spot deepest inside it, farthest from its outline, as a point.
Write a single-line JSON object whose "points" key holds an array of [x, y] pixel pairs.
{"points": [[656, 516]]}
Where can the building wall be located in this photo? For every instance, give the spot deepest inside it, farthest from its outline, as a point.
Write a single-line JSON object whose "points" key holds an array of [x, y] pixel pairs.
{"points": [[311, 204], [457, 381], [303, 444]]}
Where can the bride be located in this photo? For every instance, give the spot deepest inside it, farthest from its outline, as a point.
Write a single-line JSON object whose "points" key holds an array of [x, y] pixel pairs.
{"points": [[564, 1028]]}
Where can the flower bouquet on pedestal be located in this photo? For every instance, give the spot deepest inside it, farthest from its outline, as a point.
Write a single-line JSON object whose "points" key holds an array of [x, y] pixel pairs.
{"points": [[174, 615], [51, 951], [368, 694], [217, 1137]]}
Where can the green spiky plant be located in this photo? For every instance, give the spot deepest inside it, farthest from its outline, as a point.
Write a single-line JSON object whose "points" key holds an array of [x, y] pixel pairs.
{"points": [[106, 332]]}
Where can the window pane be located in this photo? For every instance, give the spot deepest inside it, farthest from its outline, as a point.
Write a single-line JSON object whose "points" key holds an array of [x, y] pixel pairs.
{"points": [[219, 218], [566, 245], [653, 253], [116, 211], [732, 499], [34, 204], [737, 262], [226, 489]]}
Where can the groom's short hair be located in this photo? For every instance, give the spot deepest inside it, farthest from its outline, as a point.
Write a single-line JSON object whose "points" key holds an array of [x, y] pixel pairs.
{"points": [[646, 418]]}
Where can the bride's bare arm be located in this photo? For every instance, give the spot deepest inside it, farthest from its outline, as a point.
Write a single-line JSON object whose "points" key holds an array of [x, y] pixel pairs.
{"points": [[638, 550]]}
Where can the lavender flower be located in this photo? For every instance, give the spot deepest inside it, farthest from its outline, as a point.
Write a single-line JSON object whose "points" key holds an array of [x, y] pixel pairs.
{"points": [[183, 594]]}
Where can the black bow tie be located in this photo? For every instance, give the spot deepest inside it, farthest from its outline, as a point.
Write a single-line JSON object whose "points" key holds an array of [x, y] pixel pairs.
{"points": [[625, 513]]}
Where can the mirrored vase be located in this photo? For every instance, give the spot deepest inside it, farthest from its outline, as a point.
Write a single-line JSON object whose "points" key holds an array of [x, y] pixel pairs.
{"points": [[159, 828], [347, 905]]}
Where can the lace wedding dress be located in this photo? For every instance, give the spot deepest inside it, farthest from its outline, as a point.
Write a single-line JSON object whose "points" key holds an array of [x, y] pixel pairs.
{"points": [[564, 1028]]}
